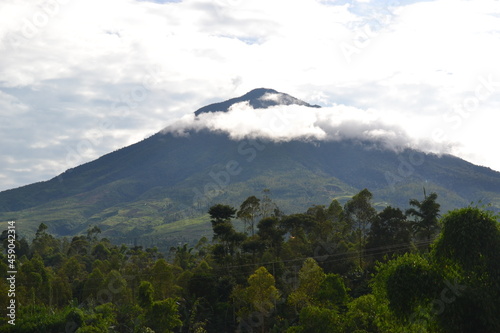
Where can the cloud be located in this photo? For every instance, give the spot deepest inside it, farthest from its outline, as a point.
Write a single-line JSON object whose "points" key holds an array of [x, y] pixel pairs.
{"points": [[295, 122]]}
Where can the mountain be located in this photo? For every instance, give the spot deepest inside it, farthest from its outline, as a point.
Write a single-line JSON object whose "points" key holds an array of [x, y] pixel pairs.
{"points": [[157, 191], [261, 98]]}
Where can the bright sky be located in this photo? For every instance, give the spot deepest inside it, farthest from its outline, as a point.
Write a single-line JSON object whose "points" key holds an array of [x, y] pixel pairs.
{"points": [[81, 78]]}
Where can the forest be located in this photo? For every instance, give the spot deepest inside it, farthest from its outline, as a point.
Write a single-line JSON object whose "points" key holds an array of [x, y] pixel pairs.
{"points": [[336, 268]]}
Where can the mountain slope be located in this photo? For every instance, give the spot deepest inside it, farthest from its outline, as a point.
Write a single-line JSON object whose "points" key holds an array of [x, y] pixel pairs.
{"points": [[162, 186]]}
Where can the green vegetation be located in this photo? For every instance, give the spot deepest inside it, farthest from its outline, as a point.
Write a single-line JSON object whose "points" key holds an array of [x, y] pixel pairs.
{"points": [[337, 268]]}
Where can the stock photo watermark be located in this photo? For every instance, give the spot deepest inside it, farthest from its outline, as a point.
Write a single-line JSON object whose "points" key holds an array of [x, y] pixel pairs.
{"points": [[364, 34], [221, 179], [248, 149], [32, 25], [11, 272], [470, 104], [406, 168], [455, 118]]}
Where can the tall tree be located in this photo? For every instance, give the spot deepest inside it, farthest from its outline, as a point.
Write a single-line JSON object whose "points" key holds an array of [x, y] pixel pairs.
{"points": [[221, 213], [322, 227], [163, 316], [298, 225], [389, 234], [116, 290], [44, 243], [92, 233], [425, 214], [224, 232], [79, 246], [470, 243], [163, 279], [311, 276], [145, 295], [259, 297], [267, 206], [249, 211], [184, 258], [359, 213], [270, 233], [94, 283]]}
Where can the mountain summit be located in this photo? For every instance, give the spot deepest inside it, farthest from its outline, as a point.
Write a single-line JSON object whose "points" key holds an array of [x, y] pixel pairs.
{"points": [[260, 98]]}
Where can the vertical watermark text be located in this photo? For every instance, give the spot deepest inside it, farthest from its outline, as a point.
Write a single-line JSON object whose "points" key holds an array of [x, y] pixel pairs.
{"points": [[11, 272]]}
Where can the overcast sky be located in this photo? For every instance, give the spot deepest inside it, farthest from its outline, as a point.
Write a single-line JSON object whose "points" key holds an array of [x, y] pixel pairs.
{"points": [[81, 78]]}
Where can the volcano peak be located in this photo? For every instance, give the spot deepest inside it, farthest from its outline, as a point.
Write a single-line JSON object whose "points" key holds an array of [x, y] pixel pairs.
{"points": [[260, 98]]}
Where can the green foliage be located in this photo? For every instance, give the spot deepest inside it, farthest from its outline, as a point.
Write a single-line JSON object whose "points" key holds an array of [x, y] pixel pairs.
{"points": [[261, 291], [93, 284], [389, 234], [407, 282], [298, 225], [315, 319], [145, 295], [75, 317], [258, 299], [311, 277], [38, 318], [229, 239], [467, 250], [116, 290], [221, 213], [163, 279], [426, 213], [470, 238], [362, 315], [456, 288], [101, 252], [163, 316], [101, 319], [249, 211], [332, 292], [183, 257], [270, 233], [360, 214], [44, 244], [292, 275]]}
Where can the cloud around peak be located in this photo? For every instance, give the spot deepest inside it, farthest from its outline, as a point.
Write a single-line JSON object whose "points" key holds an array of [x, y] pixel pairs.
{"points": [[283, 123]]}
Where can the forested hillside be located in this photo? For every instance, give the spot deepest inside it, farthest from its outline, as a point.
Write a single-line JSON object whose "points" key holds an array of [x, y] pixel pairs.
{"points": [[336, 268]]}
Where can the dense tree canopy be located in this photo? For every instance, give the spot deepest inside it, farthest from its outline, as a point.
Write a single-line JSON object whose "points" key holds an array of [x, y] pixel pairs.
{"points": [[333, 268]]}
